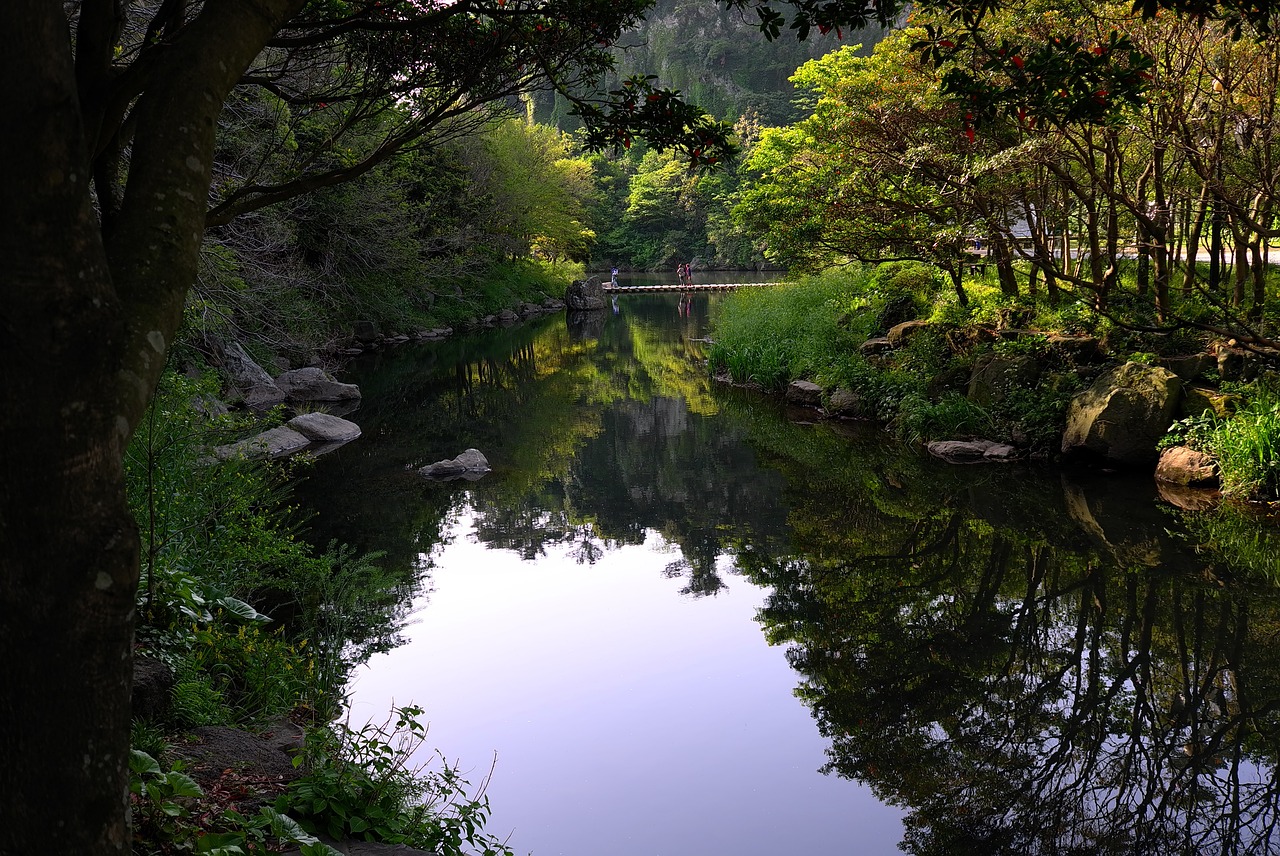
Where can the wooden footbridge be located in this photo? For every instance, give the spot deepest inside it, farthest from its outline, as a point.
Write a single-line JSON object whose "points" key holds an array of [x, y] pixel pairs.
{"points": [[675, 286]]}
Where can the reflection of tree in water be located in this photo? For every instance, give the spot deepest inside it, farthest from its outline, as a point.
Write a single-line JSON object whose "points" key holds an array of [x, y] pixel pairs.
{"points": [[1022, 699]]}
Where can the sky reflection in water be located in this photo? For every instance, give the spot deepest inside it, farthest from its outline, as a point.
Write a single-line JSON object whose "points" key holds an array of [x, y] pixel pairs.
{"points": [[627, 719]]}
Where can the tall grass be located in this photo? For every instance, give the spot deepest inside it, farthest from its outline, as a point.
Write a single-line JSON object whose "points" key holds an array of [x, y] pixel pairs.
{"points": [[770, 336], [1247, 447]]}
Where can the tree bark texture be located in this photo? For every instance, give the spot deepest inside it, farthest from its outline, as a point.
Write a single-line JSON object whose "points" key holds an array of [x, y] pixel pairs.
{"points": [[86, 327]]}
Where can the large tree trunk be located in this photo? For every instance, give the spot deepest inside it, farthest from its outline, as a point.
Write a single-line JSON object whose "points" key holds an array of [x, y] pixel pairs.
{"points": [[69, 554], [86, 329]]}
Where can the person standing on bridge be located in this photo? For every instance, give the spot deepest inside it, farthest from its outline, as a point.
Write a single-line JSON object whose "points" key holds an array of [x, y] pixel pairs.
{"points": [[614, 278]]}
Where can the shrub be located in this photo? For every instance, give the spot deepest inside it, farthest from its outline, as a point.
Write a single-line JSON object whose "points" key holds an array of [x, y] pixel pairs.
{"points": [[360, 783], [259, 674]]}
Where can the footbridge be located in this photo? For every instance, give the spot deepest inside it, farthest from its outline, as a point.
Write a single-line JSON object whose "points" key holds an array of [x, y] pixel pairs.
{"points": [[675, 286]]}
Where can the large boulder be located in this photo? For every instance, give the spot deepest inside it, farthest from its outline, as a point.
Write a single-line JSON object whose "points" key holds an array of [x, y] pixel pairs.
{"points": [[585, 295], [152, 681], [314, 384], [1123, 415], [1189, 367], [993, 379], [276, 443], [245, 376], [847, 404], [324, 428], [470, 465], [899, 334], [1198, 400], [972, 451], [805, 393]]}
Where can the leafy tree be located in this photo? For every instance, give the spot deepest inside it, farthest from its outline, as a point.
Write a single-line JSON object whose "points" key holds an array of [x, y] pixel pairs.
{"points": [[536, 188]]}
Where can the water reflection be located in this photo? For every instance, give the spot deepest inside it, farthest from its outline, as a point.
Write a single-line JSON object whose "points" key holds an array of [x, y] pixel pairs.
{"points": [[1025, 661]]}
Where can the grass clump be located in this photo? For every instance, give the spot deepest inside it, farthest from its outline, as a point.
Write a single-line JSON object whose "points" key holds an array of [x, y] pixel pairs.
{"points": [[1247, 447], [770, 336]]}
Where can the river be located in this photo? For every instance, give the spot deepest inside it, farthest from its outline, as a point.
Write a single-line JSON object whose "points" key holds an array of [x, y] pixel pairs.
{"points": [[690, 622]]}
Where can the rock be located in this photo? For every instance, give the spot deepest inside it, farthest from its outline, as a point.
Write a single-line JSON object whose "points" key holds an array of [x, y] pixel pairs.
{"points": [[1191, 367], [248, 378], [1184, 466], [152, 682], [846, 404], [1075, 349], [507, 317], [876, 345], [1013, 318], [398, 339], [324, 428], [215, 751], [314, 384], [1236, 364], [899, 333], [805, 393], [1123, 415], [470, 465], [1196, 400], [552, 305], [971, 451], [365, 331], [993, 379], [276, 443], [585, 295]]}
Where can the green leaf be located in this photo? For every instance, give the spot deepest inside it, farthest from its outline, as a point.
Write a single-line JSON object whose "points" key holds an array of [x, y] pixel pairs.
{"points": [[241, 610], [140, 762], [182, 785]]}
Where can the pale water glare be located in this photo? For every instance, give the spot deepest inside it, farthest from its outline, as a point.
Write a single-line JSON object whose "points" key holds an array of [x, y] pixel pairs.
{"points": [[627, 719]]}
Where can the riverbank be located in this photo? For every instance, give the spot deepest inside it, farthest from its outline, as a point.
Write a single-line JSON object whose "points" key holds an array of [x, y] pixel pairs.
{"points": [[1058, 385]]}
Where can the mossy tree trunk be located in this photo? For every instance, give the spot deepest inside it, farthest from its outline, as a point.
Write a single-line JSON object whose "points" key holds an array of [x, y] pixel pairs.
{"points": [[88, 317]]}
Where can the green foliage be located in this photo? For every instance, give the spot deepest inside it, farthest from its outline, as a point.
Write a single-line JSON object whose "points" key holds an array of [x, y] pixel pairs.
{"points": [[168, 807], [774, 335], [162, 800], [258, 674], [1247, 448], [920, 420], [360, 783]]}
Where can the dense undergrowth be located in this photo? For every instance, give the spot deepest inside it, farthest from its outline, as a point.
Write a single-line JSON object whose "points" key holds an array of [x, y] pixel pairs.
{"points": [[259, 626], [814, 329]]}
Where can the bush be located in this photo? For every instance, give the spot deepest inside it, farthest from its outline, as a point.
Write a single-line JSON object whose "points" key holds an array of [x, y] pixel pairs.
{"points": [[360, 783]]}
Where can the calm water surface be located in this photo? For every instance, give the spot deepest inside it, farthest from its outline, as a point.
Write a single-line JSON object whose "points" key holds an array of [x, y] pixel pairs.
{"points": [[689, 622]]}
